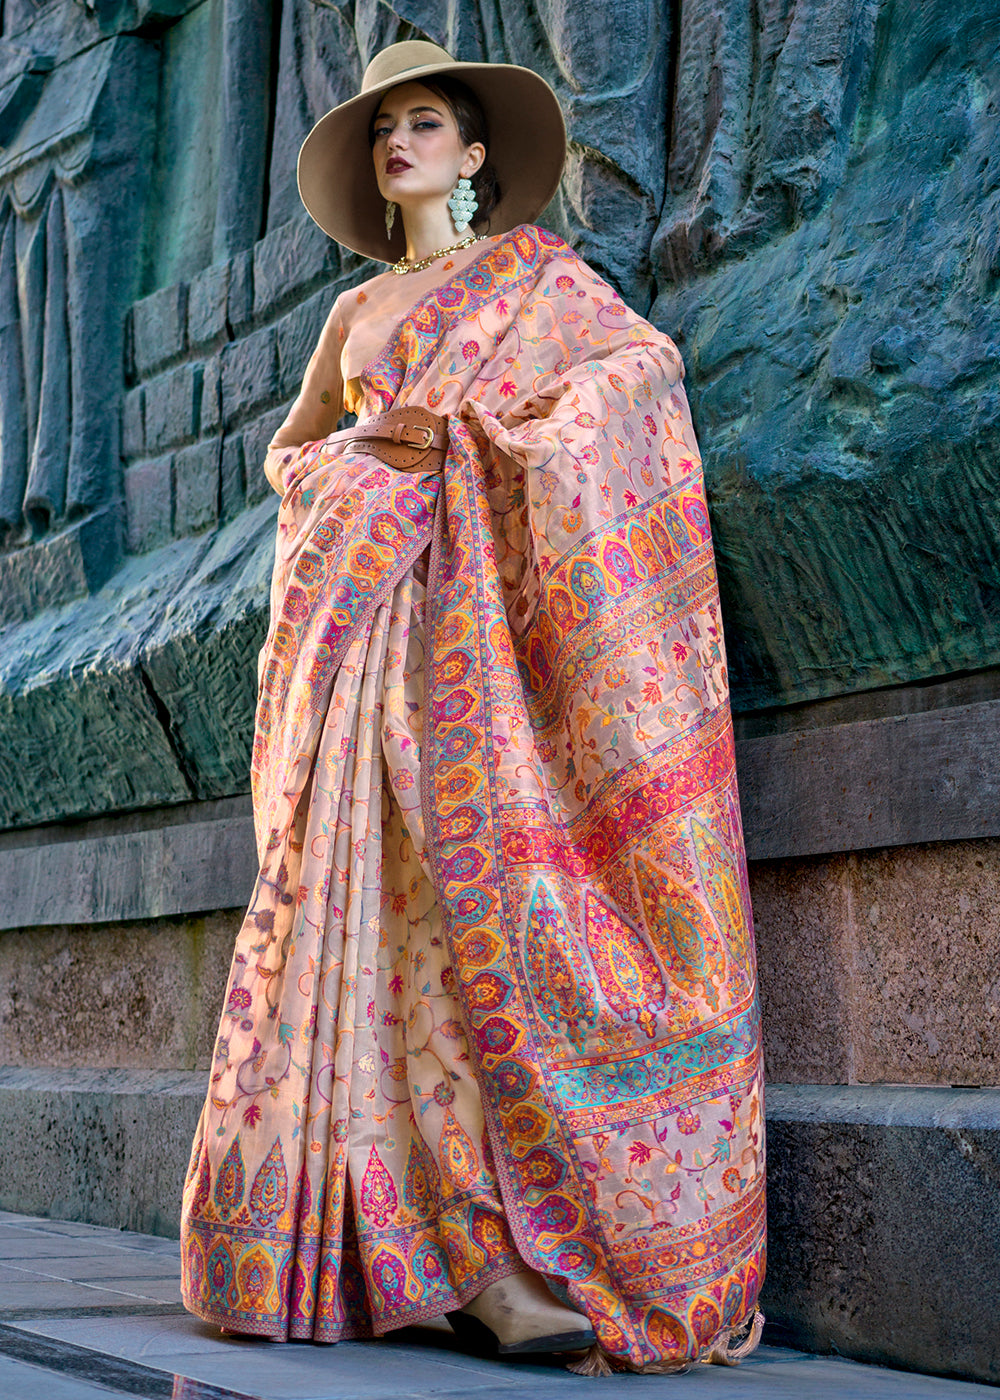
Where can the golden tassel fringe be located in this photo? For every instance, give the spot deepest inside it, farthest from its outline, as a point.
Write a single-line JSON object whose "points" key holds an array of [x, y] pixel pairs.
{"points": [[728, 1349], [595, 1363]]}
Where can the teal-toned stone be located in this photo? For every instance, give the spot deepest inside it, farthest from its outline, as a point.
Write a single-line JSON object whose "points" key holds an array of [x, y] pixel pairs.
{"points": [[196, 487], [290, 261], [134, 424], [833, 288], [232, 480], [173, 407], [148, 504], [185, 176], [249, 376], [256, 437], [159, 329], [208, 298]]}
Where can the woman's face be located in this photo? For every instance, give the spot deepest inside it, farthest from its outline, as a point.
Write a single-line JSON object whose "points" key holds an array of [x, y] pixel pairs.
{"points": [[418, 153]]}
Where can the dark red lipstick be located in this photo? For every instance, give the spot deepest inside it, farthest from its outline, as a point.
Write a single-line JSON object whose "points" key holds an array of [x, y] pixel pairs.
{"points": [[395, 165]]}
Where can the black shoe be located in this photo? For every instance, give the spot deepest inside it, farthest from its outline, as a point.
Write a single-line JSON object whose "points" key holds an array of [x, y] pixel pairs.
{"points": [[485, 1342]]}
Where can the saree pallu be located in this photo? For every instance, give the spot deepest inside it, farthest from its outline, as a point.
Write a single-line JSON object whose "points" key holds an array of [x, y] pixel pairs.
{"points": [[495, 997]]}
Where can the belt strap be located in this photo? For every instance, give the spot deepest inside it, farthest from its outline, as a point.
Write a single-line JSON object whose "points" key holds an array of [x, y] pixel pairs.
{"points": [[411, 439]]}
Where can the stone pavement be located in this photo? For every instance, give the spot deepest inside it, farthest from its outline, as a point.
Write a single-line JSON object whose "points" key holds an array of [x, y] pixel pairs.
{"points": [[86, 1312]]}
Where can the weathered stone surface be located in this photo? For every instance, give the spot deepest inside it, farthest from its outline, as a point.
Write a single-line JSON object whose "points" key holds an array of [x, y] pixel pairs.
{"points": [[173, 407], [108, 1146], [246, 81], [882, 966], [208, 302], [145, 996], [884, 1217], [256, 437], [196, 487], [801, 916], [142, 866], [289, 262], [232, 483], [841, 473], [211, 396], [72, 684], [134, 424], [927, 1000], [892, 781], [159, 329], [827, 259], [298, 333], [249, 376], [62, 567], [149, 503], [239, 304], [200, 654]]}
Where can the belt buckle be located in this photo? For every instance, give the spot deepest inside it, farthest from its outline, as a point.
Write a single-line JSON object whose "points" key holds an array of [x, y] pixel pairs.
{"points": [[428, 439]]}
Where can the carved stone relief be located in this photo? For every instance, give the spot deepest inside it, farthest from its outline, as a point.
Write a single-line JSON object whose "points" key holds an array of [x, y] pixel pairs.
{"points": [[804, 194]]}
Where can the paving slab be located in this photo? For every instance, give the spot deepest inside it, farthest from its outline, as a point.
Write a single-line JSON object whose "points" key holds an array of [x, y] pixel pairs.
{"points": [[21, 1382], [73, 1332]]}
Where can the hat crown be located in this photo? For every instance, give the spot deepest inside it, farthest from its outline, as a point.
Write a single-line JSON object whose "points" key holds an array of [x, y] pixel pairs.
{"points": [[399, 59]]}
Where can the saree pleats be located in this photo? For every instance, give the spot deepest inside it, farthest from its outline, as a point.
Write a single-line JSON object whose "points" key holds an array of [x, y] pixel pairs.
{"points": [[495, 998]]}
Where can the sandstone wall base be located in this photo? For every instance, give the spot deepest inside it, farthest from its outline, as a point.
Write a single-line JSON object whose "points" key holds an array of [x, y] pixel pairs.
{"points": [[884, 1204]]}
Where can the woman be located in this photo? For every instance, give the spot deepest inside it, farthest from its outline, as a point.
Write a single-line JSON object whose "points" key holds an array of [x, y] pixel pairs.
{"points": [[492, 1015]]}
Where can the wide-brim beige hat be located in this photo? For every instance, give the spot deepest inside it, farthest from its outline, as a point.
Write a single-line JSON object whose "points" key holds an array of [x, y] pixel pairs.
{"points": [[527, 146]]}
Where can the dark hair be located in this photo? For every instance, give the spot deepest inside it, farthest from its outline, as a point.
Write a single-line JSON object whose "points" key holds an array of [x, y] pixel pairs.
{"points": [[470, 119]]}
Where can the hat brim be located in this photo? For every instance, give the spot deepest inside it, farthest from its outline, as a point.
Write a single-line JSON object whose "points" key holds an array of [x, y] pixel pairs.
{"points": [[527, 136]]}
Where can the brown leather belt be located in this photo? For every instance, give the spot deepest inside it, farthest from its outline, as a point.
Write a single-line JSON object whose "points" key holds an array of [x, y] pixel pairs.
{"points": [[410, 439]]}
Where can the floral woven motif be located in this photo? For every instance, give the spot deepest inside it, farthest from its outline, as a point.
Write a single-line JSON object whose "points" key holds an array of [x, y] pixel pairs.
{"points": [[495, 997]]}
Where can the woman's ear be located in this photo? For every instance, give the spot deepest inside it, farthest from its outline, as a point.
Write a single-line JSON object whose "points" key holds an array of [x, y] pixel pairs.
{"points": [[474, 158]]}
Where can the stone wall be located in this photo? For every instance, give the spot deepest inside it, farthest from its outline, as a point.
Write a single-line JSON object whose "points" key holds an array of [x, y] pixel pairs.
{"points": [[804, 193]]}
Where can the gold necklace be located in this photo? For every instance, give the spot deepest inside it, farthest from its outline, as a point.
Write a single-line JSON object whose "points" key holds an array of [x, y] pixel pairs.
{"points": [[402, 267]]}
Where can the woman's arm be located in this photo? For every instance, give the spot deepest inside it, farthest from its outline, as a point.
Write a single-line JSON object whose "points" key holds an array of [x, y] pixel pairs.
{"points": [[319, 405]]}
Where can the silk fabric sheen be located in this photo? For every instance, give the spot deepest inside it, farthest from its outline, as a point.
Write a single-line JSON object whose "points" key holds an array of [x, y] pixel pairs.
{"points": [[495, 997]]}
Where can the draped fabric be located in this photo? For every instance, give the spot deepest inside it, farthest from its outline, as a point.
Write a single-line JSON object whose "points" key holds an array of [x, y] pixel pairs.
{"points": [[495, 997]]}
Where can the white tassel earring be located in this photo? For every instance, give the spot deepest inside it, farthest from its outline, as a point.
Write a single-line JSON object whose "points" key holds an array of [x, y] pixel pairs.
{"points": [[463, 205], [390, 217]]}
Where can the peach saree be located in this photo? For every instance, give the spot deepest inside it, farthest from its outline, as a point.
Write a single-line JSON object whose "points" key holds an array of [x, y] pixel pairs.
{"points": [[495, 998]]}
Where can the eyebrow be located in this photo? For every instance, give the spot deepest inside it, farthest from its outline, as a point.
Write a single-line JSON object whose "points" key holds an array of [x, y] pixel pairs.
{"points": [[411, 113]]}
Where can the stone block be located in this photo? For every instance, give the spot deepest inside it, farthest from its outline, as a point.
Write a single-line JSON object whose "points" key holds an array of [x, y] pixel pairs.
{"points": [[134, 424], [290, 261], [233, 480], [891, 781], [881, 966], [148, 504], [49, 574], [135, 866], [58, 571], [298, 333], [256, 437], [239, 304], [147, 995], [173, 407], [927, 964], [208, 303], [801, 915], [159, 329], [108, 1146], [196, 487], [199, 656], [249, 376], [211, 397], [884, 1224], [114, 750]]}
